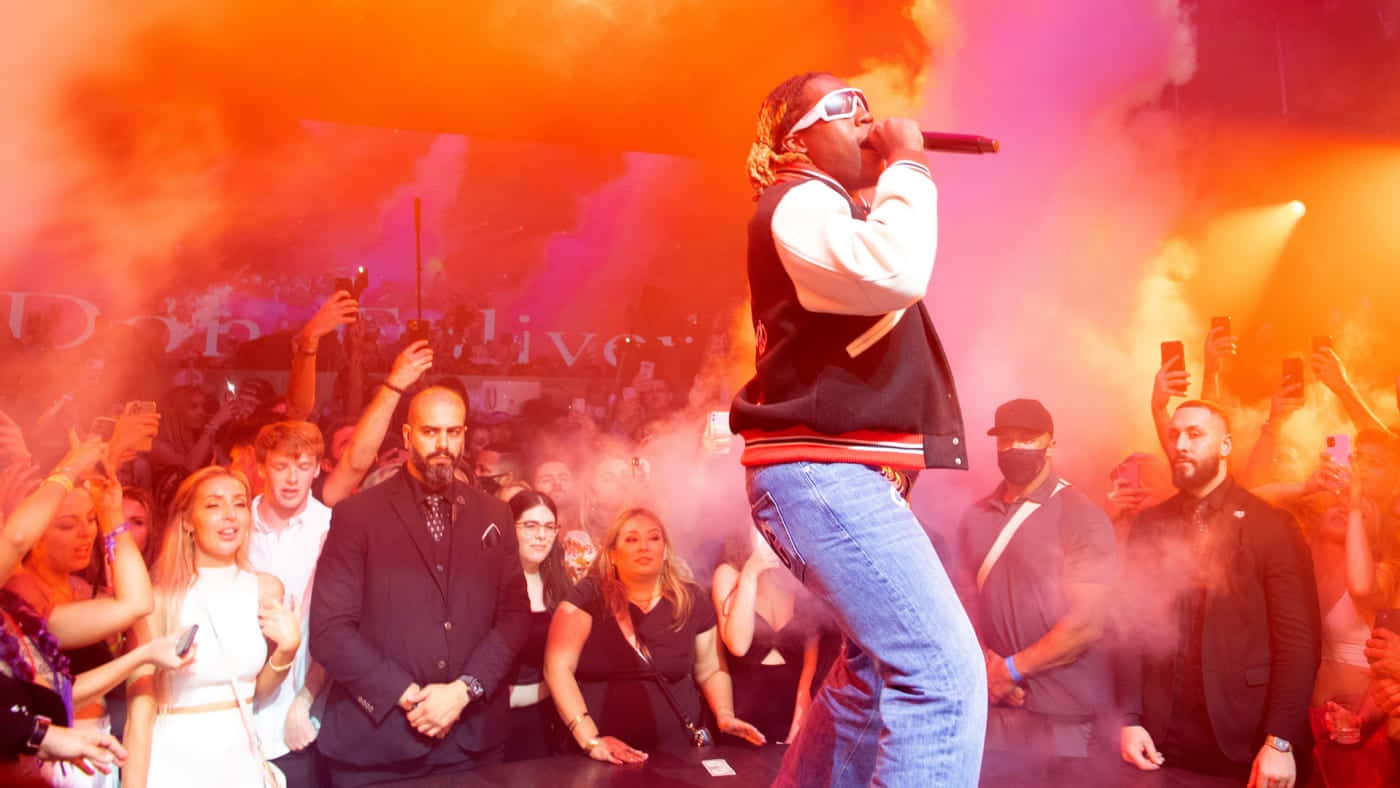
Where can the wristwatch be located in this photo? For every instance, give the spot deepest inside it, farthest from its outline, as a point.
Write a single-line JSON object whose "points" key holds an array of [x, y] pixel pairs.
{"points": [[36, 736], [474, 689], [1282, 745]]}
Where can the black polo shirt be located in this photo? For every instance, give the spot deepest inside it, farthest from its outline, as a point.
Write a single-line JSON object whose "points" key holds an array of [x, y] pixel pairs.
{"points": [[1067, 540]]}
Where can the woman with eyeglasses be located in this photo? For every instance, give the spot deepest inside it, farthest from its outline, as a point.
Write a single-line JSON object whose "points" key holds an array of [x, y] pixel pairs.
{"points": [[534, 725], [631, 639]]}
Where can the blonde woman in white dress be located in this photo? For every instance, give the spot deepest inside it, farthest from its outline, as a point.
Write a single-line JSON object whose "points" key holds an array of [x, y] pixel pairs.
{"points": [[186, 728]]}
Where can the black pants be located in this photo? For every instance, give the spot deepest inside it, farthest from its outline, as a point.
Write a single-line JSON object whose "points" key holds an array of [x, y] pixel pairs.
{"points": [[436, 764], [303, 769]]}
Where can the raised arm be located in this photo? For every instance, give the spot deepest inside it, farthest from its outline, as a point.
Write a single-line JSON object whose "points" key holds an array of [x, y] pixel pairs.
{"points": [[78, 624], [1328, 367], [1167, 384], [360, 453], [1370, 585], [1219, 346], [735, 593], [1259, 471], [338, 310], [25, 525], [846, 266]]}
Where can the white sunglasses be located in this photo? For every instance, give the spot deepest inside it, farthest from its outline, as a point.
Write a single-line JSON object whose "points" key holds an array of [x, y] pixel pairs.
{"points": [[837, 104]]}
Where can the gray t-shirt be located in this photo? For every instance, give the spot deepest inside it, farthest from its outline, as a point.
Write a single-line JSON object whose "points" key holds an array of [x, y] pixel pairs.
{"points": [[1067, 540]]}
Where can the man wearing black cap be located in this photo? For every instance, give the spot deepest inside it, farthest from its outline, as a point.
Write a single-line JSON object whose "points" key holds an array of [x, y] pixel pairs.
{"points": [[1039, 559]]}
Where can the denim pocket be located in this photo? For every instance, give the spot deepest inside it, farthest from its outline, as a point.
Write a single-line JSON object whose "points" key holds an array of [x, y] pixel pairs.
{"points": [[769, 522]]}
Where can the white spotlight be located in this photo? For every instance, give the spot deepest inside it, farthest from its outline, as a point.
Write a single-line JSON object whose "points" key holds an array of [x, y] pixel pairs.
{"points": [[1298, 208]]}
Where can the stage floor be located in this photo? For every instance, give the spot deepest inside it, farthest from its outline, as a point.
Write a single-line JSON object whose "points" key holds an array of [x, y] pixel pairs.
{"points": [[753, 766]]}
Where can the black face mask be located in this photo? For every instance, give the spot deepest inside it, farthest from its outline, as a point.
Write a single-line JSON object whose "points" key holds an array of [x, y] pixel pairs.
{"points": [[1021, 466]]}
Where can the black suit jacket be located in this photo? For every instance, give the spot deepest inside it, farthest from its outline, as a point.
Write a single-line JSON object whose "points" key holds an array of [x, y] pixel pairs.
{"points": [[384, 615], [1260, 643]]}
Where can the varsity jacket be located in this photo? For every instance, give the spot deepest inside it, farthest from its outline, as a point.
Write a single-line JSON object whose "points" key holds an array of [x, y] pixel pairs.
{"points": [[848, 365]]}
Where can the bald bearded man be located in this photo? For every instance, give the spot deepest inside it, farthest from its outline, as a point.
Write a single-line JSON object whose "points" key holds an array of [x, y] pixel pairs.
{"points": [[420, 608]]}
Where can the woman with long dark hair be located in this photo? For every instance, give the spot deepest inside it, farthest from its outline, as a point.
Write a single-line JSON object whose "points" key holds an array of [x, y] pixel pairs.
{"points": [[534, 725]]}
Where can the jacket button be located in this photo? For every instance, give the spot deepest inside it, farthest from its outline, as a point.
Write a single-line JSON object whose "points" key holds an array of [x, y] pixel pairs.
{"points": [[957, 460], [955, 441], [447, 625], [442, 664]]}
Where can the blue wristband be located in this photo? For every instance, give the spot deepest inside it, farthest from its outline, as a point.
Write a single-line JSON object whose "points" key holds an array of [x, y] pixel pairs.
{"points": [[1011, 668]]}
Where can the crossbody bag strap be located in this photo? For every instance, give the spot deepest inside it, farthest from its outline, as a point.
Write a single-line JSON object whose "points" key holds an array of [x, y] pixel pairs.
{"points": [[1023, 512], [244, 713], [699, 736]]}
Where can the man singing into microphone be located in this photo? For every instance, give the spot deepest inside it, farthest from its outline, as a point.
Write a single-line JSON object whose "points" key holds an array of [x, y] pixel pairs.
{"points": [[852, 396]]}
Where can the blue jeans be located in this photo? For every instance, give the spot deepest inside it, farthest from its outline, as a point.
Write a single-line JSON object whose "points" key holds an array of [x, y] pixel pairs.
{"points": [[907, 703]]}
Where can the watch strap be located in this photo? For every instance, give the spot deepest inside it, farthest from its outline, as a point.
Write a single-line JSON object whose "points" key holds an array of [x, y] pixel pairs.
{"points": [[474, 689], [36, 736]]}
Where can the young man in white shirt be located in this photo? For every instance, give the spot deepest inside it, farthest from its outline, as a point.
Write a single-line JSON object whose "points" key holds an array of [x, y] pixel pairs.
{"points": [[289, 527]]}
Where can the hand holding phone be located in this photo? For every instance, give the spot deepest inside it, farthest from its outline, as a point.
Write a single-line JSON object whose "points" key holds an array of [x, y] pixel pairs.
{"points": [[1171, 380], [182, 646], [1292, 381], [1174, 354], [417, 330], [135, 430], [1220, 343], [1339, 449], [1388, 618]]}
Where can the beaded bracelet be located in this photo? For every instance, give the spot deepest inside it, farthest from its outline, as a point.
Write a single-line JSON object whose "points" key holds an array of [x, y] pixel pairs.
{"points": [[110, 540], [61, 480]]}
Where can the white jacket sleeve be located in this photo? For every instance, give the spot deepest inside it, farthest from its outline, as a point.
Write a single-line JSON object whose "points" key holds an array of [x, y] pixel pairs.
{"points": [[842, 265]]}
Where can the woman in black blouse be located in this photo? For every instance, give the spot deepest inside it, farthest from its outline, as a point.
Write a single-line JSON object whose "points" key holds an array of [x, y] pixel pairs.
{"points": [[533, 722], [636, 615]]}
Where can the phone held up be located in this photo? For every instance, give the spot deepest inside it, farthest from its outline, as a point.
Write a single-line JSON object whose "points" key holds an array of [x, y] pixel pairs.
{"points": [[354, 286], [1174, 350], [1293, 376], [418, 330], [1339, 449], [1388, 618]]}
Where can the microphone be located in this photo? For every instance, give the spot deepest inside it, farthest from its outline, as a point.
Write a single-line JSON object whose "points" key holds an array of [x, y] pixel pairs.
{"points": [[960, 143]]}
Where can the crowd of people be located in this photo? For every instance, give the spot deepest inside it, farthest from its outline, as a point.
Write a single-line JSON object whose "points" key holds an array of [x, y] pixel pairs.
{"points": [[220, 585]]}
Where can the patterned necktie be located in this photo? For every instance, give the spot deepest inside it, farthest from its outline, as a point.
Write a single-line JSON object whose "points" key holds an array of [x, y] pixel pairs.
{"points": [[437, 516]]}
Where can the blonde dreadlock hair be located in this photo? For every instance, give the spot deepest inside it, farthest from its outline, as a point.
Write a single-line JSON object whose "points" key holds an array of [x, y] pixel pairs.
{"points": [[780, 110]]}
